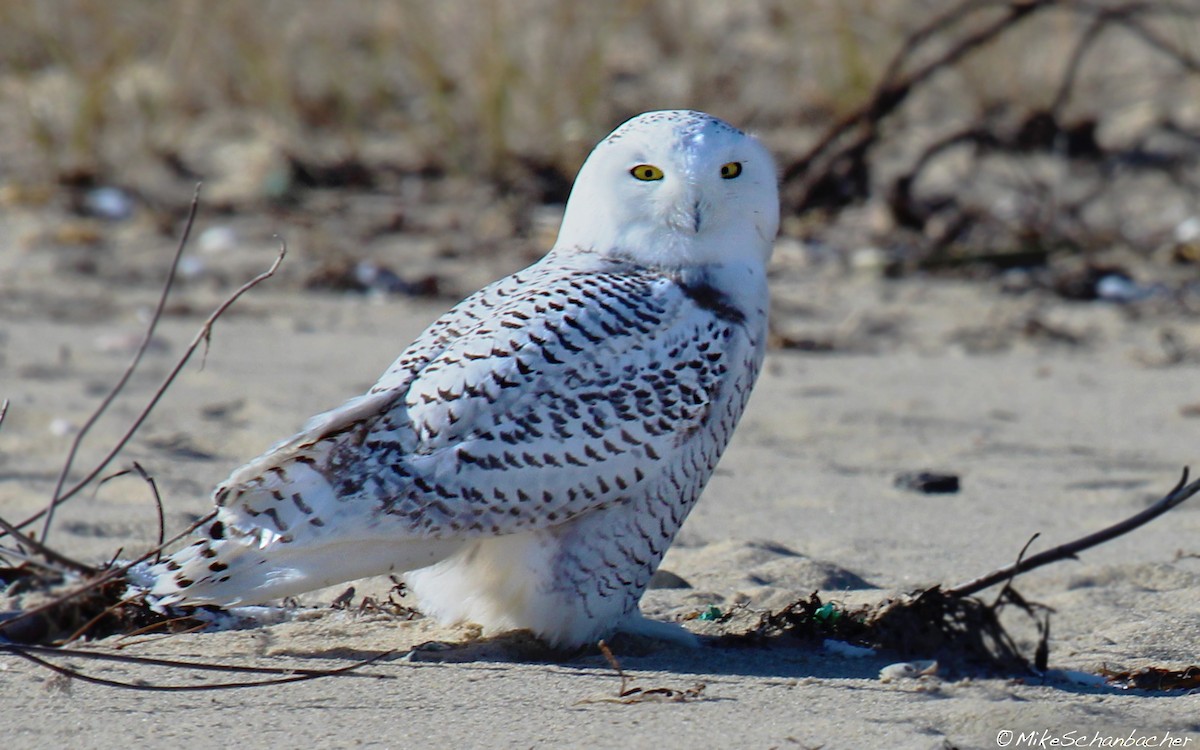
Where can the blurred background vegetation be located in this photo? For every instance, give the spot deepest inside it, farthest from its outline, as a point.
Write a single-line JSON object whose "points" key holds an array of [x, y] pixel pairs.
{"points": [[461, 87], [473, 87], [1068, 127]]}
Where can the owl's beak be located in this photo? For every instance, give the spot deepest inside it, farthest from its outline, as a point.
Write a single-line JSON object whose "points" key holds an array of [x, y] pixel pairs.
{"points": [[687, 215]]}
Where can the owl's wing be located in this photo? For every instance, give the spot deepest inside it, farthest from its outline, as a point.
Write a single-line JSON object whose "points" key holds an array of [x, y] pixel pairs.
{"points": [[573, 394], [562, 401]]}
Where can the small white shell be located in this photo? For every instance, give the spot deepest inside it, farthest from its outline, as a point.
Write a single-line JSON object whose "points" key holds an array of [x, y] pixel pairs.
{"points": [[907, 670]]}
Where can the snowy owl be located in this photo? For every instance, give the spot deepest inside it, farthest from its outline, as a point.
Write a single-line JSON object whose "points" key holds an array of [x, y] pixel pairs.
{"points": [[527, 461]]}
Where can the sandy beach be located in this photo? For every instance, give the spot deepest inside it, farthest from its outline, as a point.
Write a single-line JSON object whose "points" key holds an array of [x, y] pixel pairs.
{"points": [[988, 267], [1047, 437]]}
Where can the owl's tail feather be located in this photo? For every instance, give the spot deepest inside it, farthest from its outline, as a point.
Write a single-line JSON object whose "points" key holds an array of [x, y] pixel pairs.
{"points": [[281, 530], [253, 568]]}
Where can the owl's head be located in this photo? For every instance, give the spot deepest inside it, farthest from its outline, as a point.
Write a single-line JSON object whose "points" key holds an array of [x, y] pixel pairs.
{"points": [[675, 189]]}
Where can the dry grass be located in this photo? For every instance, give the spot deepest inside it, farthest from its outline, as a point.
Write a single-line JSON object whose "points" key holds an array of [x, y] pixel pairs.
{"points": [[153, 96], [464, 86]]}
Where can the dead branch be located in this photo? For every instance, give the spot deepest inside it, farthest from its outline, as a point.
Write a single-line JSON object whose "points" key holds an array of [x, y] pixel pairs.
{"points": [[9, 553], [1075, 62], [955, 629], [119, 386], [111, 575], [99, 596], [629, 695], [199, 666], [56, 560], [848, 164], [1157, 42], [949, 621], [172, 626], [616, 665], [291, 675], [1176, 496], [149, 480], [204, 335], [1124, 16], [839, 169]]}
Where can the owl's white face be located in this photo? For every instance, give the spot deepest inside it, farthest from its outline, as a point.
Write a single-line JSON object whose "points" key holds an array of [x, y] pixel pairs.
{"points": [[675, 189]]}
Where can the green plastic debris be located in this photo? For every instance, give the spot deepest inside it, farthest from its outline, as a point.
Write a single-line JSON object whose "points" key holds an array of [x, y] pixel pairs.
{"points": [[827, 614], [712, 613]]}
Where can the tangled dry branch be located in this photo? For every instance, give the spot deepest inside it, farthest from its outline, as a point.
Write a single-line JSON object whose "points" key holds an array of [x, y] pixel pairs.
{"points": [[950, 622], [941, 224]]}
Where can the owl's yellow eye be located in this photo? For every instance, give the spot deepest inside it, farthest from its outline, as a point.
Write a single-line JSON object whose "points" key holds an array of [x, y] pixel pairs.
{"points": [[647, 172], [731, 169]]}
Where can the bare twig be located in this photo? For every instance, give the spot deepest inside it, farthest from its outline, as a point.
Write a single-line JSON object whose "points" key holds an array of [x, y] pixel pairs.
{"points": [[1085, 42], [202, 336], [293, 675], [83, 629], [51, 556], [1125, 17], [839, 168], [97, 578], [158, 504], [106, 576], [1020, 556], [9, 553], [1179, 494], [56, 498], [123, 640], [200, 666], [628, 694], [1156, 41], [616, 665], [893, 89]]}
